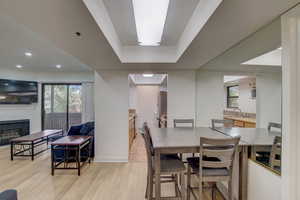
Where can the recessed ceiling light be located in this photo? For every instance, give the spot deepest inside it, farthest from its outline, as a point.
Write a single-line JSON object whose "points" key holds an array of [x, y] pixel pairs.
{"points": [[280, 48], [19, 66], [28, 54], [150, 17], [147, 75], [58, 66]]}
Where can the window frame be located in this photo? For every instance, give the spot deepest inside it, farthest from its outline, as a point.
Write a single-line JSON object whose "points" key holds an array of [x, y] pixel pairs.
{"points": [[231, 97]]}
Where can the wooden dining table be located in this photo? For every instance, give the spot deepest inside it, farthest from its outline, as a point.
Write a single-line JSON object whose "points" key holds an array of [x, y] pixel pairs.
{"points": [[187, 140]]}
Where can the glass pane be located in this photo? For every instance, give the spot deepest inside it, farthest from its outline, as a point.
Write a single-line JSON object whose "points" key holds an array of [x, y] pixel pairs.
{"points": [[233, 102], [55, 107], [233, 91], [47, 99], [75, 104]]}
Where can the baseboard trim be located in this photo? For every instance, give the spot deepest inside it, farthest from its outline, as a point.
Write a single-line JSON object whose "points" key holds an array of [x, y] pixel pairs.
{"points": [[111, 160]]}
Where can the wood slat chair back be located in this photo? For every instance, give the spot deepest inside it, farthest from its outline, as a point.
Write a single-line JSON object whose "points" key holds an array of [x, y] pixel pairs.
{"points": [[274, 125], [224, 149], [184, 123], [216, 160], [167, 167], [275, 157], [215, 123], [149, 146]]}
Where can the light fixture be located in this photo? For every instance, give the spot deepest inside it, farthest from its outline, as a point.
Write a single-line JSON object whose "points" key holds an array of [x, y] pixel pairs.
{"points": [[147, 75], [150, 17], [280, 48], [28, 54], [58, 66], [19, 66]]}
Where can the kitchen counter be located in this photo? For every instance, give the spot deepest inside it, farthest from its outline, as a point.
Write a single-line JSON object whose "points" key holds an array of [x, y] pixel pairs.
{"points": [[242, 121]]}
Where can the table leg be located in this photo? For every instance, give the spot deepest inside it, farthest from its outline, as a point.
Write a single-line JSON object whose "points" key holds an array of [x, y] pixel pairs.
{"points": [[90, 149], [157, 175], [52, 161], [32, 151], [78, 159], [11, 150], [243, 174]]}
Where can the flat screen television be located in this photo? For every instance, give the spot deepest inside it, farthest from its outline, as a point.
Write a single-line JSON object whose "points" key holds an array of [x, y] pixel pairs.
{"points": [[18, 92]]}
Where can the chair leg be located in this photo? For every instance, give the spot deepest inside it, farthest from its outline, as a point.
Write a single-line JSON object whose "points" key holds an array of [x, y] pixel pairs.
{"points": [[182, 186], [147, 187], [213, 192], [188, 195], [150, 186], [176, 185], [230, 190], [200, 189]]}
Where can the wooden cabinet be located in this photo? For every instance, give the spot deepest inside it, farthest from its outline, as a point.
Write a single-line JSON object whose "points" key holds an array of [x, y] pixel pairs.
{"points": [[243, 123], [238, 123], [250, 125], [132, 127]]}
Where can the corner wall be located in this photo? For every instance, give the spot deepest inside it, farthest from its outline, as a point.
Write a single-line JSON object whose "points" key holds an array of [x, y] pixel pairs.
{"points": [[112, 103]]}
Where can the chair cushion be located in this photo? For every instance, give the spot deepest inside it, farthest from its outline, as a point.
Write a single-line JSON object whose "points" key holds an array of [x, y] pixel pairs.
{"points": [[75, 130], [194, 163], [169, 156], [171, 165], [87, 128], [9, 195]]}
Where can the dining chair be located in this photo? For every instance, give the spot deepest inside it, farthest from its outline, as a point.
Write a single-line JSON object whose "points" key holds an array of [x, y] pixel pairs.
{"points": [[184, 123], [272, 125], [170, 170], [263, 153], [275, 157], [214, 164], [215, 123]]}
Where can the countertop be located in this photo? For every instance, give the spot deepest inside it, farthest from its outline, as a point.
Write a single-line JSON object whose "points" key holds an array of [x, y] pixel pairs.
{"points": [[243, 119]]}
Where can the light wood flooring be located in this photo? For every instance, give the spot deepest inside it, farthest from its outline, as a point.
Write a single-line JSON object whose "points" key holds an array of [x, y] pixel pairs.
{"points": [[98, 181]]}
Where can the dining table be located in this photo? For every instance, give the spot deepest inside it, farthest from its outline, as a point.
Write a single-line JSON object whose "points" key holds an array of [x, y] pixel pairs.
{"points": [[187, 140]]}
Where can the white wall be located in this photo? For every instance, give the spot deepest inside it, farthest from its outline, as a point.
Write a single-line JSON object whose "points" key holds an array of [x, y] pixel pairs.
{"points": [[262, 183], [210, 95], [181, 95], [268, 99], [111, 116], [246, 102], [33, 111], [147, 104]]}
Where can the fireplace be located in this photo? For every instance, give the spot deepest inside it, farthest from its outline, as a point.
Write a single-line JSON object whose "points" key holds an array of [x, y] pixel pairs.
{"points": [[13, 129]]}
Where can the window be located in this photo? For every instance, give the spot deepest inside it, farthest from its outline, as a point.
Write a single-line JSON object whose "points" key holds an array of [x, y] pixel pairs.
{"points": [[233, 96]]}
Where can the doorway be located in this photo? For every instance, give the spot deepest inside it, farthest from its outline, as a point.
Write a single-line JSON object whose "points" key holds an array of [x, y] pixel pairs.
{"points": [[148, 95], [61, 105]]}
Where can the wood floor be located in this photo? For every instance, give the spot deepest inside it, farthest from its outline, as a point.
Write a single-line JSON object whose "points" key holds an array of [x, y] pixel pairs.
{"points": [[98, 181]]}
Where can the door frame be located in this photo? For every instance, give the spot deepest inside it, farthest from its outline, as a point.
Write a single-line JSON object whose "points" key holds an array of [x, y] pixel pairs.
{"points": [[42, 99]]}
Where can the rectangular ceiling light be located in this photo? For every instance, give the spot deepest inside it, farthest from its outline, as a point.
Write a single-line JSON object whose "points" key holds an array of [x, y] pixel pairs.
{"points": [[150, 17]]}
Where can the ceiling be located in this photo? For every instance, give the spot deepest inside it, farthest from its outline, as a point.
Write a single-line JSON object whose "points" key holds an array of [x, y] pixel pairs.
{"points": [[16, 39], [272, 58], [140, 79], [57, 21], [179, 13]]}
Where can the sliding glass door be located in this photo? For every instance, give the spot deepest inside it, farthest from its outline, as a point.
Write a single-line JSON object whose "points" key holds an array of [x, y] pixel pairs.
{"points": [[61, 105]]}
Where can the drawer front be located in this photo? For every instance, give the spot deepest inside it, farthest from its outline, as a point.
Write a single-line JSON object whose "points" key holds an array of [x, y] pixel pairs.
{"points": [[250, 125], [238, 123]]}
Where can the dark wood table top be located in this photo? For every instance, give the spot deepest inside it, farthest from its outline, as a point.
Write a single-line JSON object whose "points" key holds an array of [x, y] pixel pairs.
{"points": [[72, 140], [36, 136]]}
